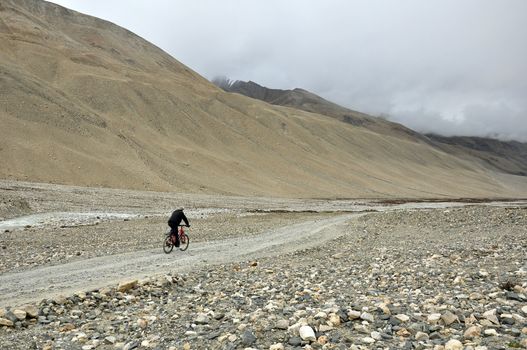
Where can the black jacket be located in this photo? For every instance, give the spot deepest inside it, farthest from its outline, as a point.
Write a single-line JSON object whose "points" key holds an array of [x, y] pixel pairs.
{"points": [[176, 217]]}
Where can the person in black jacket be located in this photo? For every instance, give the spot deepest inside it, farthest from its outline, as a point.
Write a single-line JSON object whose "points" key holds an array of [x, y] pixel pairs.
{"points": [[174, 221]]}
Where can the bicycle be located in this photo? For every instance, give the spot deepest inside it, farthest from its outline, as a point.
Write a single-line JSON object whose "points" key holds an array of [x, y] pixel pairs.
{"points": [[170, 241]]}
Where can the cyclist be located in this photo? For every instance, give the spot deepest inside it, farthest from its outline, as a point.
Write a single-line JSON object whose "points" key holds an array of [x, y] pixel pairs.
{"points": [[174, 221]]}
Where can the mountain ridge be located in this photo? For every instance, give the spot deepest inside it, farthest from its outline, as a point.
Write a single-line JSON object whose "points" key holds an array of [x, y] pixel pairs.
{"points": [[504, 156]]}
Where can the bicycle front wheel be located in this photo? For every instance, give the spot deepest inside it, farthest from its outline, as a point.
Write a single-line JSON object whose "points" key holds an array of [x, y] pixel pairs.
{"points": [[183, 242], [167, 245]]}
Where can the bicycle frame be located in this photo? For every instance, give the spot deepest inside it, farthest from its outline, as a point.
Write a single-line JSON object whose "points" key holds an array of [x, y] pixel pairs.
{"points": [[181, 233], [182, 238]]}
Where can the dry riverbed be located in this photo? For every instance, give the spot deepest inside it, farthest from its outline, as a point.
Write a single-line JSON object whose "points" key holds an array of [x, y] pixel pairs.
{"points": [[426, 279]]}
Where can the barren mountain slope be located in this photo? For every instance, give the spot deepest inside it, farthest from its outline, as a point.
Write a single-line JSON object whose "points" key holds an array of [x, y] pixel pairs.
{"points": [[509, 157], [506, 156], [86, 102]]}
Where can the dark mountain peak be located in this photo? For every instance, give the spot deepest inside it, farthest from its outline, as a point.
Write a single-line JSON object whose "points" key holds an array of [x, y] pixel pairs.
{"points": [[307, 101]]}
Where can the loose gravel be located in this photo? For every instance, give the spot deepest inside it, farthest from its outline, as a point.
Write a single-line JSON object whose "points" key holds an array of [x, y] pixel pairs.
{"points": [[427, 279]]}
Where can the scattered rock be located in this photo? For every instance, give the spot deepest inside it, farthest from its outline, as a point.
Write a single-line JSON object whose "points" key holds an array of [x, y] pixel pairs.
{"points": [[368, 340], [491, 332], [125, 286], [491, 316], [202, 319], [353, 315], [366, 316], [472, 332], [433, 318], [282, 324], [110, 340], [454, 344], [405, 299], [6, 322], [20, 314], [402, 317], [448, 318], [421, 336], [307, 333], [248, 338], [294, 341], [31, 310]]}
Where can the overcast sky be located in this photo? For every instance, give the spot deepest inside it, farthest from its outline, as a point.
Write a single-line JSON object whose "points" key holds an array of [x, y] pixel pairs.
{"points": [[455, 67]]}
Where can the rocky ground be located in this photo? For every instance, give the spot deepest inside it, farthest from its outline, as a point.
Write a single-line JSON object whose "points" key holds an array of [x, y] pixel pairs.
{"points": [[38, 246], [427, 279]]}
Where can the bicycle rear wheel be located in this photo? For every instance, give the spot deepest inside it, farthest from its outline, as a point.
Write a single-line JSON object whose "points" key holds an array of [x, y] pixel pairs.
{"points": [[183, 242], [167, 245]]}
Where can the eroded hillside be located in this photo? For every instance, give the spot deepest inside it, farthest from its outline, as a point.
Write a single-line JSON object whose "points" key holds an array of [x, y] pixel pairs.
{"points": [[86, 102]]}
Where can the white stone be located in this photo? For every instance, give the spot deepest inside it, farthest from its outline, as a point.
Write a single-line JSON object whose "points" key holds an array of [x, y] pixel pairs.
{"points": [[294, 328], [277, 346], [491, 332], [491, 316], [454, 344], [367, 317], [518, 318], [524, 309], [202, 319], [321, 314], [376, 335], [307, 333], [368, 340], [421, 336], [81, 336], [353, 315], [325, 328], [403, 317], [20, 314], [434, 318], [110, 339]]}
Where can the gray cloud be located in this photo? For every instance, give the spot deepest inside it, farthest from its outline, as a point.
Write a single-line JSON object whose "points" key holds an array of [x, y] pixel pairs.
{"points": [[449, 66]]}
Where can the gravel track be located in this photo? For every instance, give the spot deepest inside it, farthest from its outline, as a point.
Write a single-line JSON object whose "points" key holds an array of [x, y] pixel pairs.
{"points": [[44, 282]]}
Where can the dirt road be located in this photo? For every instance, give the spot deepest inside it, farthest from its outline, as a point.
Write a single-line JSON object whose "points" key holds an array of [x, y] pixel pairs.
{"points": [[44, 282]]}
